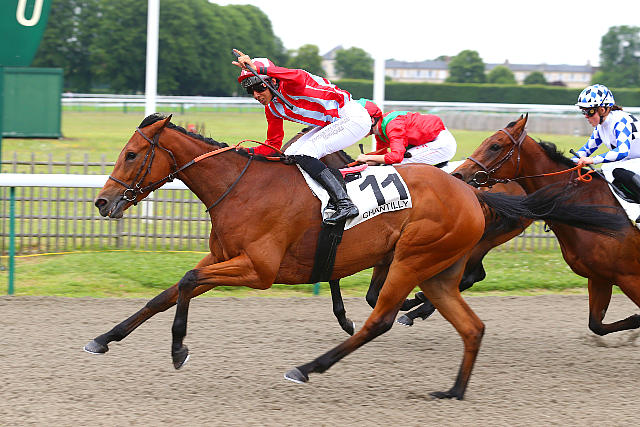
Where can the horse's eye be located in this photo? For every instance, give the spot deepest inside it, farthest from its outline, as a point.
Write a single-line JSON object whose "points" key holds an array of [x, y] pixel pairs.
{"points": [[131, 155], [494, 147]]}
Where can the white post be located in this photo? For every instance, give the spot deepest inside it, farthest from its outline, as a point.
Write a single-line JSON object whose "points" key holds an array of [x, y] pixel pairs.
{"points": [[151, 80], [378, 88]]}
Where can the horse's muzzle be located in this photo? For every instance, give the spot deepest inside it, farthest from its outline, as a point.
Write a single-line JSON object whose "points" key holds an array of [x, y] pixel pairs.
{"points": [[111, 209]]}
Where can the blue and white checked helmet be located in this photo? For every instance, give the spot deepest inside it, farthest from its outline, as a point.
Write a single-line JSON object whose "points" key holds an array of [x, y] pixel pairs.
{"points": [[595, 96]]}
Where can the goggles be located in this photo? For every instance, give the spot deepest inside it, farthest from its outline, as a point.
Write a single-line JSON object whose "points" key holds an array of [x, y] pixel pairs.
{"points": [[258, 87], [589, 112]]}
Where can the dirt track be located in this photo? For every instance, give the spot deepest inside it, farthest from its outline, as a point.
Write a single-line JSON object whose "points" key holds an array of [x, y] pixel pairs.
{"points": [[539, 365]]}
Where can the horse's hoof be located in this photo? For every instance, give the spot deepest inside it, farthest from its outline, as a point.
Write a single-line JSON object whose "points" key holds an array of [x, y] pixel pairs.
{"points": [[445, 395], [180, 357], [405, 320], [94, 347], [350, 327], [296, 376]]}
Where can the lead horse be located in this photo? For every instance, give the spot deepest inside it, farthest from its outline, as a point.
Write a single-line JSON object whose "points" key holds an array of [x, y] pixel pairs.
{"points": [[510, 154], [265, 224]]}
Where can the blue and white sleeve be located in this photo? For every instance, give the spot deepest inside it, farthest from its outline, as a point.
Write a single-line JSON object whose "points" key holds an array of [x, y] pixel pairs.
{"points": [[592, 145], [622, 131]]}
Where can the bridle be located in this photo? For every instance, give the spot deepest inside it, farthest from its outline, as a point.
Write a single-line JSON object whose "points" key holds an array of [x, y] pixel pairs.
{"points": [[482, 177], [132, 191]]}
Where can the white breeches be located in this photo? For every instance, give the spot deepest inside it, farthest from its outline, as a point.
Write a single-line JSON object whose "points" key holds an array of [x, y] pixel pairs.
{"points": [[353, 125], [441, 149]]}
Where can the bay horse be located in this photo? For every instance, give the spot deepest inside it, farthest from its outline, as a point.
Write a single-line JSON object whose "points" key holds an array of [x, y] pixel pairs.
{"points": [[474, 270], [511, 154], [265, 224]]}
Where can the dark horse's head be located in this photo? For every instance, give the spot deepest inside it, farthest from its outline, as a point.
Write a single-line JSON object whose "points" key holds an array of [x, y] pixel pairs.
{"points": [[497, 156], [133, 176]]}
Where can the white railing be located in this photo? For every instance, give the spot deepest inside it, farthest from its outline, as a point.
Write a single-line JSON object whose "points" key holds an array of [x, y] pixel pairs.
{"points": [[81, 99]]}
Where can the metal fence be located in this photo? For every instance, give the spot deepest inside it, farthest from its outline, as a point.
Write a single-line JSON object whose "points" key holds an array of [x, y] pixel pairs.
{"points": [[64, 219]]}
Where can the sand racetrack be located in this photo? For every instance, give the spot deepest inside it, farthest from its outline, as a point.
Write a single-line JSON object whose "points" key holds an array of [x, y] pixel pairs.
{"points": [[538, 365]]}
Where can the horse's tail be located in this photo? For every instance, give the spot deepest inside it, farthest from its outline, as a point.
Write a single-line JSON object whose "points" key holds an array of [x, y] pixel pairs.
{"points": [[553, 204]]}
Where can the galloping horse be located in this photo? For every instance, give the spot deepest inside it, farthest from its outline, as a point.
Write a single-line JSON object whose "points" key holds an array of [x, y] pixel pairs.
{"points": [[474, 271], [511, 154], [265, 224]]}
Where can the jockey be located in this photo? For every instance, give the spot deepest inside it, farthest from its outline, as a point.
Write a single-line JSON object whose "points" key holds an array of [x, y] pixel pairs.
{"points": [[617, 129], [339, 121], [411, 138]]}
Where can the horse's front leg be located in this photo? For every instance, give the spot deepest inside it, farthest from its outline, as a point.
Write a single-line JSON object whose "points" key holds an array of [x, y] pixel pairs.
{"points": [[238, 271], [347, 324], [159, 303]]}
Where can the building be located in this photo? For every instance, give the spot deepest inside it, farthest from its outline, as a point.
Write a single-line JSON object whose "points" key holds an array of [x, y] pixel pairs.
{"points": [[437, 71]]}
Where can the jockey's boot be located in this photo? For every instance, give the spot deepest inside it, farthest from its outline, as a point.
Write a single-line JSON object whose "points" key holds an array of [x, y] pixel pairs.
{"points": [[345, 208], [338, 197]]}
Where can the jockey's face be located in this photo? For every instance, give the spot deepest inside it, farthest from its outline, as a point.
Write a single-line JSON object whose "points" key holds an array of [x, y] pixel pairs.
{"points": [[262, 94]]}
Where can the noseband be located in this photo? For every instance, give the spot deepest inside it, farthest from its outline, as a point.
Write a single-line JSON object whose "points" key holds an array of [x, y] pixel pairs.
{"points": [[483, 177], [132, 191]]}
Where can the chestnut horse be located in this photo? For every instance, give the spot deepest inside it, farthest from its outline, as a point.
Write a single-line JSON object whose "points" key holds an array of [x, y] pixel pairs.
{"points": [[265, 224], [511, 154], [474, 271]]}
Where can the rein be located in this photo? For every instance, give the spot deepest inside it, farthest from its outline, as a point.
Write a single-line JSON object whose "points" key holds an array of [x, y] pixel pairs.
{"points": [[483, 177], [132, 191]]}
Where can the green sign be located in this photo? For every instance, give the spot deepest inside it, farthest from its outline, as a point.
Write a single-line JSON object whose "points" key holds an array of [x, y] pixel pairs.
{"points": [[22, 23]]}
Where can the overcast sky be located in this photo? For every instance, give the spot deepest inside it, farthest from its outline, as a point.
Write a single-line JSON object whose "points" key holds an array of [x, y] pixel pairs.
{"points": [[521, 31]]}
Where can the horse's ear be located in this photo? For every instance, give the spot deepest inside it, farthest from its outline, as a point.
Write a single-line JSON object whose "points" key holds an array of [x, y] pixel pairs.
{"points": [[166, 121]]}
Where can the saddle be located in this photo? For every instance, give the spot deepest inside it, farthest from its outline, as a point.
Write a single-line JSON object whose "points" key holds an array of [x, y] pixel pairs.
{"points": [[626, 184]]}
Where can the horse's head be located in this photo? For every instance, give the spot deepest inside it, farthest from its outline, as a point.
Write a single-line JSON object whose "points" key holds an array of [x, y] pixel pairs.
{"points": [[142, 166], [498, 157]]}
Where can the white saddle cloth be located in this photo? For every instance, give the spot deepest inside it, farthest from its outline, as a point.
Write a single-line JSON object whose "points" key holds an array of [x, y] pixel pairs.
{"points": [[379, 189], [632, 209]]}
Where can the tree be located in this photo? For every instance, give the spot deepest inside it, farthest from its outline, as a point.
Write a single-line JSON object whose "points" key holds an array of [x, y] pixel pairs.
{"points": [[354, 63], [103, 43], [535, 78], [620, 57], [501, 75], [66, 40], [466, 67], [308, 58]]}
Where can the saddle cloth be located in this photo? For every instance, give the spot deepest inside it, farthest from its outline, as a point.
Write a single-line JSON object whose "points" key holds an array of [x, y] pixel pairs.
{"points": [[379, 189], [633, 165]]}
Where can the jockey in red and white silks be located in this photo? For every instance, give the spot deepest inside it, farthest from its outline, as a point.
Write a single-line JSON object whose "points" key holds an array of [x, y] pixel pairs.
{"points": [[339, 121], [406, 137]]}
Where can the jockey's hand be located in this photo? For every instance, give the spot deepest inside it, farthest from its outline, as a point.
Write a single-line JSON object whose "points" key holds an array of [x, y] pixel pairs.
{"points": [[585, 161], [243, 60], [370, 159]]}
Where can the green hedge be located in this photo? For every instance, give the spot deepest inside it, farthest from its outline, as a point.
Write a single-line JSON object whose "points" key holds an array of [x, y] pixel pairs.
{"points": [[467, 92]]}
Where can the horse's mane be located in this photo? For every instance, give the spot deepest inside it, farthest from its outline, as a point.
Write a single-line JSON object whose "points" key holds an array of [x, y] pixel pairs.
{"points": [[558, 156], [149, 120]]}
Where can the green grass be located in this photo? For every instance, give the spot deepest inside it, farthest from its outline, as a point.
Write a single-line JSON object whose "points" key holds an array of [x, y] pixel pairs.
{"points": [[143, 274], [104, 133], [146, 273]]}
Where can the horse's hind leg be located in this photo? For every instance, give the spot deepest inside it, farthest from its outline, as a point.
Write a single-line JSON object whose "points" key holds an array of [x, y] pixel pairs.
{"points": [[380, 320], [159, 303], [471, 276], [599, 298], [347, 324], [449, 302]]}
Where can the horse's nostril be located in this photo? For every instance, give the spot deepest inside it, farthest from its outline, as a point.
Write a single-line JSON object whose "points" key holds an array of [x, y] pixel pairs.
{"points": [[100, 203]]}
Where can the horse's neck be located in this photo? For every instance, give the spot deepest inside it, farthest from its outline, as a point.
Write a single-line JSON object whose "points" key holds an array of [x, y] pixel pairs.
{"points": [[534, 161], [210, 177]]}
